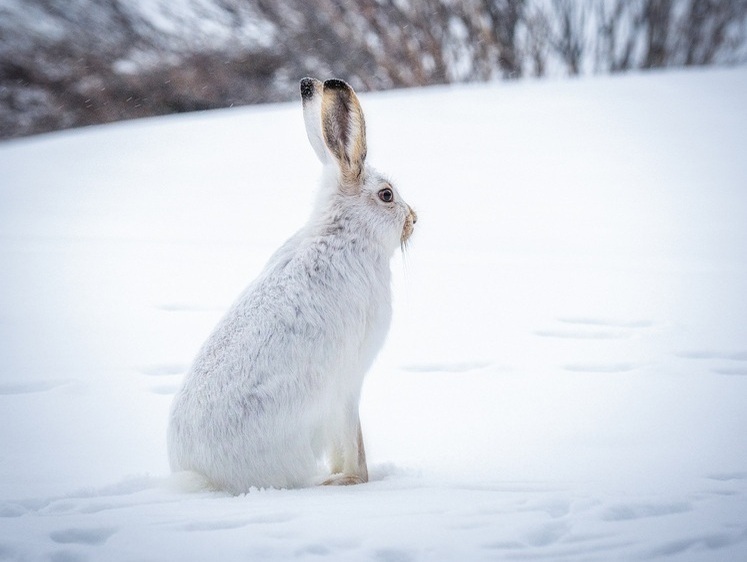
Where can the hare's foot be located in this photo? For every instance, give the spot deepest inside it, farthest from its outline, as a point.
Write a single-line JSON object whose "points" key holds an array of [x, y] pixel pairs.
{"points": [[348, 464], [344, 480]]}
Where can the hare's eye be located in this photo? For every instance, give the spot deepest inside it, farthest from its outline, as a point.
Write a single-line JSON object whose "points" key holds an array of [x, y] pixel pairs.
{"points": [[386, 195]]}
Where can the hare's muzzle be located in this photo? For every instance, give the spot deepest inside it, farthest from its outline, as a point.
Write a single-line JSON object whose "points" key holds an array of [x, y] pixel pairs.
{"points": [[410, 220]]}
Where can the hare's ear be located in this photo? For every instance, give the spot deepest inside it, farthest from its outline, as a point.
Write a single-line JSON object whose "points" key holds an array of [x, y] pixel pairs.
{"points": [[311, 97], [344, 130]]}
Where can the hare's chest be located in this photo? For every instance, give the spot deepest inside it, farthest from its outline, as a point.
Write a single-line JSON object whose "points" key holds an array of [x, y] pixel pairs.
{"points": [[378, 319]]}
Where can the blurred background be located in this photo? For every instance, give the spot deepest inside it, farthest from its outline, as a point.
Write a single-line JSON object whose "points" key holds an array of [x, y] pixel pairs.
{"points": [[70, 63]]}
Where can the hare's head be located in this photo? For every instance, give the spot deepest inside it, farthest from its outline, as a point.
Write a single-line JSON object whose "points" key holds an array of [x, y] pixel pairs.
{"points": [[337, 132]]}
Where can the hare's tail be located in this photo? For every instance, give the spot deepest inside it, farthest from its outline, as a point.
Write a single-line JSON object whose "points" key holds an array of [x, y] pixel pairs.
{"points": [[188, 482]]}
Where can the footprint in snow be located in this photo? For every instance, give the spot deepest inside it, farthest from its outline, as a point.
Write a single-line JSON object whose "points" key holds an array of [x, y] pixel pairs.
{"points": [[538, 536], [315, 549], [459, 367], [733, 371], [583, 328], [601, 367], [587, 321], [165, 389], [187, 307], [164, 369], [629, 512], [8, 509], [215, 525], [7, 553], [734, 358], [582, 334], [547, 534], [83, 536], [30, 387], [333, 549], [67, 556], [705, 354], [393, 555], [728, 476], [715, 541], [555, 508]]}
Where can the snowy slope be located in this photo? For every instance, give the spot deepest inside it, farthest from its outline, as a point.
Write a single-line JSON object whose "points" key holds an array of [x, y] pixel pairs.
{"points": [[566, 374]]}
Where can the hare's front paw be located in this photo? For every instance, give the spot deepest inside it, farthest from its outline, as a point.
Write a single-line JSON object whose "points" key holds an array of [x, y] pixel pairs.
{"points": [[343, 480]]}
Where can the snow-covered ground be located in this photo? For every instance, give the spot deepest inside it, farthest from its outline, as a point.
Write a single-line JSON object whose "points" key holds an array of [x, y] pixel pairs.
{"points": [[566, 374]]}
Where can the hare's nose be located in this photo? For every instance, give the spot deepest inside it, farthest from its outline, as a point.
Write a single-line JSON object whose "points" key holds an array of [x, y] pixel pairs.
{"points": [[414, 215]]}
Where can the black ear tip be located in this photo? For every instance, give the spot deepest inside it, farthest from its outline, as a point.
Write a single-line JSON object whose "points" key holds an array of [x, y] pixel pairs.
{"points": [[307, 88], [336, 84]]}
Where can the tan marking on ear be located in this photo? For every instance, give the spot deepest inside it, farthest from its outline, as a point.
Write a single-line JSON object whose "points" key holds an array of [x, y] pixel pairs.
{"points": [[344, 129]]}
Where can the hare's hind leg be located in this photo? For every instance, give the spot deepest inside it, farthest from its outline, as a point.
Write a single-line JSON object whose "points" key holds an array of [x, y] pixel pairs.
{"points": [[354, 468], [361, 457]]}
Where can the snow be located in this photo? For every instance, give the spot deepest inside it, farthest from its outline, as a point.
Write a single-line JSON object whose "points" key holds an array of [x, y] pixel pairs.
{"points": [[566, 373]]}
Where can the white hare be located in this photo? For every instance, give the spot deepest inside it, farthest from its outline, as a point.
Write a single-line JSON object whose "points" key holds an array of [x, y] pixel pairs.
{"points": [[272, 398]]}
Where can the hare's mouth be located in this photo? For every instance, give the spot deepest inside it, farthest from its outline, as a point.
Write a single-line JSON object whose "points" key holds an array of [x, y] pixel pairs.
{"points": [[409, 226]]}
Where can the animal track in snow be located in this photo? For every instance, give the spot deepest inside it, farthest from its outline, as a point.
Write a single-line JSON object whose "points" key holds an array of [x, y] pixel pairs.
{"points": [[587, 321], [457, 367], [11, 510], [186, 307], [9, 553], [555, 508], [334, 549], [166, 389], [314, 549], [219, 525], [92, 500], [164, 370], [628, 512], [31, 387], [67, 556], [734, 371], [601, 367], [583, 328], [582, 334], [727, 476], [705, 354], [82, 536], [393, 555], [547, 534], [706, 542], [554, 543]]}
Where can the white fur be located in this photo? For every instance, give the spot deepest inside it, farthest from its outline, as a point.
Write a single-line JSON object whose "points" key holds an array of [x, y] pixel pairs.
{"points": [[272, 398]]}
